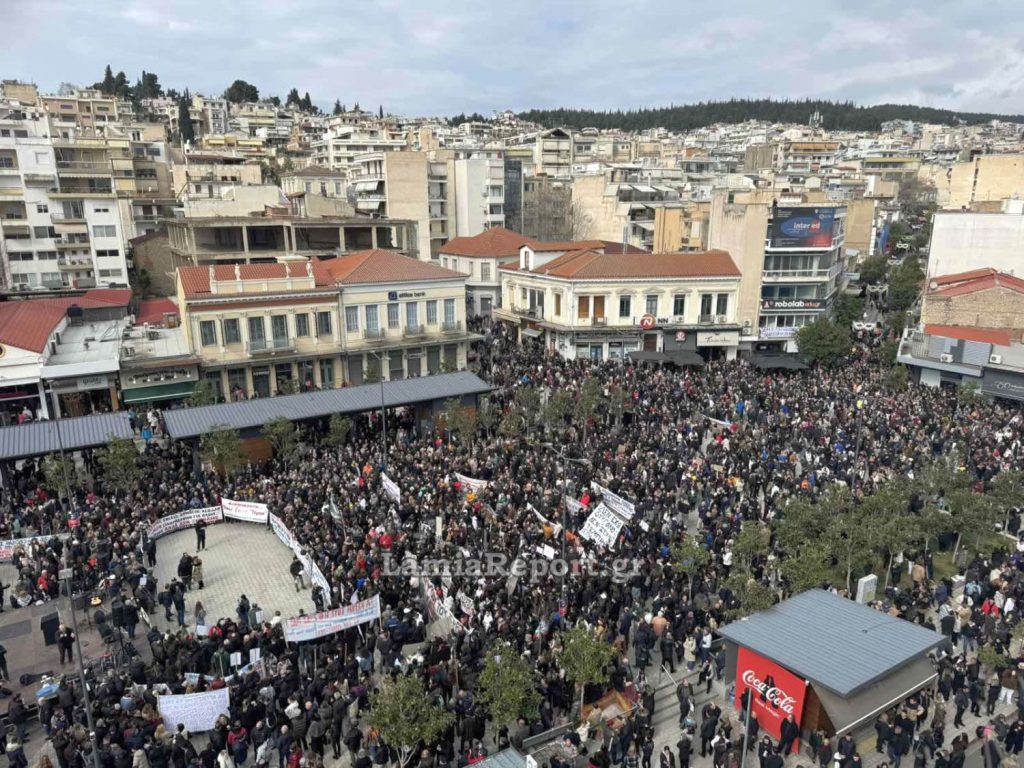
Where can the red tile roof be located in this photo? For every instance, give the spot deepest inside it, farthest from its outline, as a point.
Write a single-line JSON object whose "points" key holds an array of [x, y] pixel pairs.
{"points": [[590, 265], [544, 246], [983, 282], [152, 311], [611, 246], [499, 242], [984, 335], [27, 324], [381, 266], [959, 277], [196, 280]]}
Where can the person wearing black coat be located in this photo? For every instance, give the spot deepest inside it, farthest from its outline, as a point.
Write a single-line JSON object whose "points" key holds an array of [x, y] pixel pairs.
{"points": [[684, 748], [789, 731]]}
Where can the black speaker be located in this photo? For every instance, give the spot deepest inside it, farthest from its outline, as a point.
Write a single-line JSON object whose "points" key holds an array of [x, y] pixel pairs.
{"points": [[49, 625]]}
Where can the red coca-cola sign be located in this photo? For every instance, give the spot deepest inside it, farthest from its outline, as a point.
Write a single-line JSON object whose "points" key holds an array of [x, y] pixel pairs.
{"points": [[777, 692]]}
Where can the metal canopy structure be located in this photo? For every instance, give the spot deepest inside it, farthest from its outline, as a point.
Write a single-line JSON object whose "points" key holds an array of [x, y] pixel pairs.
{"points": [[39, 438], [684, 358], [777, 362], [648, 356], [186, 423]]}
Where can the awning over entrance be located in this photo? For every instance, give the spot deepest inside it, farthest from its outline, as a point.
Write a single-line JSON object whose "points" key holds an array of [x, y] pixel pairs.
{"points": [[159, 392], [863, 706], [647, 356], [532, 333], [685, 358], [775, 362]]}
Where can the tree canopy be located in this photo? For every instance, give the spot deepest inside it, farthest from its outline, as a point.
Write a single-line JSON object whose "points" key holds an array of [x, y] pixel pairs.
{"points": [[241, 91], [823, 342]]}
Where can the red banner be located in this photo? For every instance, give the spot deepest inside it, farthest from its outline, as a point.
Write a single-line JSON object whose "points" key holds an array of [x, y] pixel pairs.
{"points": [[777, 693]]}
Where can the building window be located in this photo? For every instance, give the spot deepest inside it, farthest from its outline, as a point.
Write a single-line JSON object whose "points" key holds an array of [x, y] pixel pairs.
{"points": [[722, 304], [327, 374], [236, 381], [208, 333], [46, 255], [432, 312], [279, 329], [302, 325], [111, 273], [449, 312], [583, 308], [351, 319], [42, 208], [558, 303], [652, 305], [412, 314], [679, 305], [256, 330], [323, 323], [43, 233], [231, 332], [485, 271], [393, 316], [104, 230], [625, 306], [111, 253], [705, 303], [372, 319]]}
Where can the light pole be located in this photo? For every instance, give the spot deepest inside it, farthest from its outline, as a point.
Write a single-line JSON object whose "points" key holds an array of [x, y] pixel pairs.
{"points": [[565, 503], [65, 575], [856, 451], [383, 412]]}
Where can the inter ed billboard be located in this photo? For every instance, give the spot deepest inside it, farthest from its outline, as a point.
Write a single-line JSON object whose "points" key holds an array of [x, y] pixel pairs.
{"points": [[803, 227]]}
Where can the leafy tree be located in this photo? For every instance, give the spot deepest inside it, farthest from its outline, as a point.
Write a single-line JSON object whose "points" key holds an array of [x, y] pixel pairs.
{"points": [[338, 429], [405, 717], [689, 557], [887, 352], [897, 379], [585, 659], [121, 87], [272, 168], [460, 421], [186, 130], [751, 594], [992, 659], [287, 386], [874, 269], [557, 408], [587, 403], [222, 447], [372, 376], [338, 109], [751, 543], [849, 537], [510, 426], [488, 416], [508, 686], [380, 112], [527, 402], [240, 91], [809, 567], [282, 436], [275, 100], [905, 285], [823, 342], [293, 99], [1007, 491], [848, 309], [972, 512], [60, 473], [203, 394], [148, 86], [119, 461]]}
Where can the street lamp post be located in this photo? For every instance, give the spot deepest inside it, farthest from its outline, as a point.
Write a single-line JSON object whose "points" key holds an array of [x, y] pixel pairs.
{"points": [[565, 501], [383, 411], [65, 575]]}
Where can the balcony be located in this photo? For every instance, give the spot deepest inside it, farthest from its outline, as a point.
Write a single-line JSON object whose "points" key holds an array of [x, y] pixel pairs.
{"points": [[76, 243], [8, 171], [82, 168], [60, 217], [414, 330], [531, 312], [453, 327], [713, 319], [39, 179], [269, 346], [18, 245], [599, 322], [375, 334], [776, 275], [74, 265]]}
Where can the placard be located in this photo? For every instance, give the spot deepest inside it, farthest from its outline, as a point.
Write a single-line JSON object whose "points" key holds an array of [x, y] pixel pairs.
{"points": [[391, 487], [8, 546], [177, 521], [196, 711], [319, 625], [602, 527], [614, 502], [470, 484], [249, 511]]}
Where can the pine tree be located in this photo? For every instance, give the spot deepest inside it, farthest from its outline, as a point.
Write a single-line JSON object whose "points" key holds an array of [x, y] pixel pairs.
{"points": [[307, 103], [121, 87], [380, 111], [185, 127], [293, 99], [107, 85], [338, 109]]}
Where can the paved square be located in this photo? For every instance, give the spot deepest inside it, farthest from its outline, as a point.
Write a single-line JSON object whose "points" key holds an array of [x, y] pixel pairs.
{"points": [[240, 558]]}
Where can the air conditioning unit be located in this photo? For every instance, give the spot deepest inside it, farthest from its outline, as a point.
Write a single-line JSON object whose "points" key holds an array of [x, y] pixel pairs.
{"points": [[995, 359], [678, 318], [945, 357]]}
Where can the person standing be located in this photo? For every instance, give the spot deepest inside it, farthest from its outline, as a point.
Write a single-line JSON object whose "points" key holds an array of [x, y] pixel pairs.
{"points": [[185, 570], [65, 643], [4, 674], [197, 572], [295, 569], [151, 553], [131, 617], [200, 535]]}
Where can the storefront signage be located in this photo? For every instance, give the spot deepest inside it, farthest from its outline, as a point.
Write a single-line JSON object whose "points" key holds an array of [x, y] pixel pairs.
{"points": [[87, 383], [395, 295], [647, 322], [792, 304], [1002, 384], [777, 332], [721, 339], [777, 693], [680, 335]]}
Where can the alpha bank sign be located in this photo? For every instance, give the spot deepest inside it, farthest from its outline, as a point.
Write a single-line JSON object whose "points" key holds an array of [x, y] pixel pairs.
{"points": [[1001, 384]]}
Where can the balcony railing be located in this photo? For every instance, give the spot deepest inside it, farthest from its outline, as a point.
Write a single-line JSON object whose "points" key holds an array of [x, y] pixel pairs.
{"points": [[72, 242], [788, 274], [374, 334], [452, 327], [269, 346], [528, 312], [414, 330], [709, 319], [599, 321], [74, 264], [83, 166]]}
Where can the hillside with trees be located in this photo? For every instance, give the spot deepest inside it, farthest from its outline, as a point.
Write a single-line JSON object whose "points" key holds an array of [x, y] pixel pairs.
{"points": [[835, 115]]}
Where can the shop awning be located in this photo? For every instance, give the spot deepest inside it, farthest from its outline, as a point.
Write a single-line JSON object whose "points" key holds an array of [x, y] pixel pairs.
{"points": [[776, 362], [863, 706], [648, 356], [684, 358], [532, 333], [170, 391]]}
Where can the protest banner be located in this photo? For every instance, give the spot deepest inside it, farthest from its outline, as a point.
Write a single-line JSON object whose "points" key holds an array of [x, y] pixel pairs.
{"points": [[177, 521], [602, 527], [8, 546], [319, 625], [196, 711], [391, 487], [470, 484], [248, 511], [335, 512], [573, 505], [614, 502]]}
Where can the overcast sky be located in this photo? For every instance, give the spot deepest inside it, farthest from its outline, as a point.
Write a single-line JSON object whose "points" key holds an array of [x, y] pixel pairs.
{"points": [[442, 57]]}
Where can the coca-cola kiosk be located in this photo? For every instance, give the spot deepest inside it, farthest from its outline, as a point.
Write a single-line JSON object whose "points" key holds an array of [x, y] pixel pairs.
{"points": [[830, 663]]}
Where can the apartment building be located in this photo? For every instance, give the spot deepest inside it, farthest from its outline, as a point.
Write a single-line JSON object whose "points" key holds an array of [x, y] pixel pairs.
{"points": [[589, 304], [982, 179], [252, 147], [396, 185], [791, 251], [314, 180], [85, 108], [210, 174], [623, 211], [213, 114], [805, 157], [342, 143], [60, 219], [263, 329], [479, 192], [963, 240]]}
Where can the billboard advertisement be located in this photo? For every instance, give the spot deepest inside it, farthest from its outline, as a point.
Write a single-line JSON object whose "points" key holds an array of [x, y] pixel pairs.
{"points": [[777, 693], [803, 227], [792, 303]]}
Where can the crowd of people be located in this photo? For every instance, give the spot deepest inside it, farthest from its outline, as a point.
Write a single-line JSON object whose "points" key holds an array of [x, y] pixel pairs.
{"points": [[699, 451]]}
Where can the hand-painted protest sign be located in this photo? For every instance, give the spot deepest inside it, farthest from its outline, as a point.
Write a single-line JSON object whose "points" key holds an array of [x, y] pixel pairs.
{"points": [[177, 521], [319, 625], [249, 511], [602, 527], [614, 502], [196, 711]]}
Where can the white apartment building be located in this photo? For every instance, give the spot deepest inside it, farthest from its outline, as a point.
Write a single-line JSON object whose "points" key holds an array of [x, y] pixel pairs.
{"points": [[479, 193], [60, 223], [395, 185], [589, 304], [341, 144]]}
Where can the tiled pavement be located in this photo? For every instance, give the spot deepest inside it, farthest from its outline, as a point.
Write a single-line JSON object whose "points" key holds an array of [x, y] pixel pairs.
{"points": [[240, 558]]}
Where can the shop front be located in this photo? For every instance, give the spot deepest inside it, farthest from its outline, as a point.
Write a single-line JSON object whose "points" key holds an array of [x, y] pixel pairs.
{"points": [[84, 395], [1005, 384]]}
